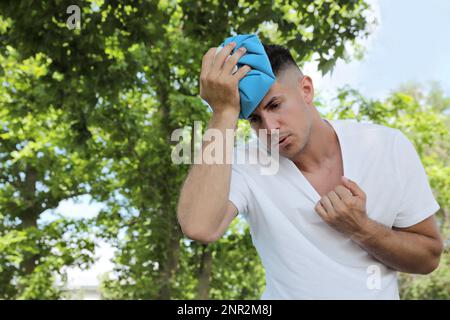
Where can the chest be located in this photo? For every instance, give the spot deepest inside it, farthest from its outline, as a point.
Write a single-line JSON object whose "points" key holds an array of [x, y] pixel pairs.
{"points": [[325, 180]]}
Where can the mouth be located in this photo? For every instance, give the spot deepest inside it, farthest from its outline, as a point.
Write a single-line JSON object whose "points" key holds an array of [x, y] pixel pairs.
{"points": [[282, 140]]}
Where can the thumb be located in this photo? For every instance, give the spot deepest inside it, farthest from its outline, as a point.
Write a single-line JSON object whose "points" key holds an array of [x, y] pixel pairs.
{"points": [[353, 187]]}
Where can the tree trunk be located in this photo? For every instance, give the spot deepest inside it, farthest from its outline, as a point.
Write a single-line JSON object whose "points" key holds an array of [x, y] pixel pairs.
{"points": [[174, 232], [171, 264], [29, 215], [204, 274]]}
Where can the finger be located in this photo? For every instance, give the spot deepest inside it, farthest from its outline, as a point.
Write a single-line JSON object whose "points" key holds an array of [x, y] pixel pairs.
{"points": [[344, 193], [230, 64], [326, 203], [336, 202], [353, 187], [207, 61], [221, 56], [321, 211], [242, 71]]}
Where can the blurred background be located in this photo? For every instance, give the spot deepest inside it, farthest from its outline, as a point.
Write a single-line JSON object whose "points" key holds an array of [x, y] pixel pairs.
{"points": [[92, 90]]}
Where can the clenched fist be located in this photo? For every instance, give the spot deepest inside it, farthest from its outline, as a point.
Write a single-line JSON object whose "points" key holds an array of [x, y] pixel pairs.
{"points": [[344, 208]]}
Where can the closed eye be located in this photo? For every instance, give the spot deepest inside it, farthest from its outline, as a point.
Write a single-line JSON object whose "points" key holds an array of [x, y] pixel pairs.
{"points": [[271, 107], [254, 119], [274, 106]]}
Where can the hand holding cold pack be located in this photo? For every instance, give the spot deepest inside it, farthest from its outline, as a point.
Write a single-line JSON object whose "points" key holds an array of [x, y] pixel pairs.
{"points": [[257, 82]]}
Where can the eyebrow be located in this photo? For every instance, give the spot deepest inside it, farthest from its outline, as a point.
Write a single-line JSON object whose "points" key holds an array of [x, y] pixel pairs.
{"points": [[270, 102]]}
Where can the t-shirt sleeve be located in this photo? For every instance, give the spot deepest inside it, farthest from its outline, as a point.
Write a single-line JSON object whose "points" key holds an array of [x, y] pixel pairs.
{"points": [[417, 200], [239, 192]]}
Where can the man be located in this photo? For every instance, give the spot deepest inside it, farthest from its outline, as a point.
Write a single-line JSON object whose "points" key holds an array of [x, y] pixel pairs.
{"points": [[319, 234]]}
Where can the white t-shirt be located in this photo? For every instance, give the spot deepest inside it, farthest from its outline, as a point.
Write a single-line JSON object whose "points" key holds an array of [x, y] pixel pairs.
{"points": [[303, 257]]}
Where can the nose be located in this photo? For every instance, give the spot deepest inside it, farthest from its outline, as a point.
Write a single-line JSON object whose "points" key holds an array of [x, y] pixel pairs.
{"points": [[270, 122]]}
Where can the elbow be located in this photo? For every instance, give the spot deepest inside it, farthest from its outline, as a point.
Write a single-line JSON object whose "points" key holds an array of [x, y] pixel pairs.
{"points": [[198, 235], [194, 232], [434, 260], [429, 267]]}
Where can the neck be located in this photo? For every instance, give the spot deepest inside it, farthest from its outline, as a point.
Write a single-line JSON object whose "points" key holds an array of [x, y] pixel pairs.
{"points": [[321, 148]]}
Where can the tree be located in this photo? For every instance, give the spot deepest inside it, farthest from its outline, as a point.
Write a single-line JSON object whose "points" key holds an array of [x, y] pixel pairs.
{"points": [[91, 111]]}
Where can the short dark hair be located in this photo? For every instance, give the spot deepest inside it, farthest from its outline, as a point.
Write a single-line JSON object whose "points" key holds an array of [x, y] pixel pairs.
{"points": [[280, 58]]}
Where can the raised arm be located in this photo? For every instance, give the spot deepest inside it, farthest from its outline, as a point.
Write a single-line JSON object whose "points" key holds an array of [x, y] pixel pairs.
{"points": [[204, 210]]}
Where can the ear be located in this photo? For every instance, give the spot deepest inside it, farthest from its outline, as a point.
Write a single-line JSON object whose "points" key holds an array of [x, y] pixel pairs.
{"points": [[307, 88]]}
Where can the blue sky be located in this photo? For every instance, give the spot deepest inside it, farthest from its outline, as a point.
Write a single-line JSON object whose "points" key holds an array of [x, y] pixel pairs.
{"points": [[410, 43]]}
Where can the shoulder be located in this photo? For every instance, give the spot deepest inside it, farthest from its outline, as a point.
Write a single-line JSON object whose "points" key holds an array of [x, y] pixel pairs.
{"points": [[351, 127], [367, 134]]}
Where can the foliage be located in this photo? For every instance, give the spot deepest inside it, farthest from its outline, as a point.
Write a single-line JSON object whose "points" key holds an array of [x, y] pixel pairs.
{"points": [[91, 111]]}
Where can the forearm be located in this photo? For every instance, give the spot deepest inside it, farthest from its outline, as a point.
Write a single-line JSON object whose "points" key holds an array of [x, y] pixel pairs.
{"points": [[204, 195], [400, 250]]}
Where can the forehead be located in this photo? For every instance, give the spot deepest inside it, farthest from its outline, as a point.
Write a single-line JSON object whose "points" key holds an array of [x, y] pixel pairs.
{"points": [[277, 90]]}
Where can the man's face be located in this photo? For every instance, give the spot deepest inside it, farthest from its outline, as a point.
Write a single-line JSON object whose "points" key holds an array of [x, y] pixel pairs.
{"points": [[286, 107]]}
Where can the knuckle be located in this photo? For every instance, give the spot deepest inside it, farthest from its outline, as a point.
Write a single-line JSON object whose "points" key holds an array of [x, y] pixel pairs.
{"points": [[234, 81], [230, 85], [244, 71], [347, 202], [233, 60], [215, 81], [351, 202]]}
